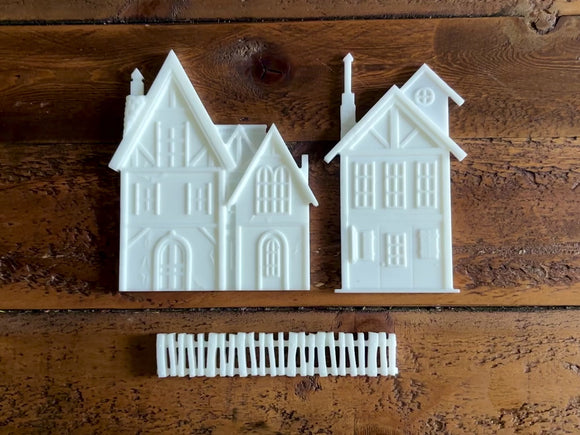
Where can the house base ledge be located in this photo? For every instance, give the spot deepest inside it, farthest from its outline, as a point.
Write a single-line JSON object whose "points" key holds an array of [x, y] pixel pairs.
{"points": [[211, 290], [412, 290]]}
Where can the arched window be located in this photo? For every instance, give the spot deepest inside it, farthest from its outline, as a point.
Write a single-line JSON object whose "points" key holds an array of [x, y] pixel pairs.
{"points": [[281, 200], [264, 182], [272, 190]]}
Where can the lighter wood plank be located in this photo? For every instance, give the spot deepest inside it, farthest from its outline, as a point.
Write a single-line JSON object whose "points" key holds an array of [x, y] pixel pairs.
{"points": [[68, 83], [515, 224], [460, 372], [123, 10]]}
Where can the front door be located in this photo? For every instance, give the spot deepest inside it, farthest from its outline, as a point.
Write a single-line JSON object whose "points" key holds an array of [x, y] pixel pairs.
{"points": [[272, 262], [171, 264], [396, 247]]}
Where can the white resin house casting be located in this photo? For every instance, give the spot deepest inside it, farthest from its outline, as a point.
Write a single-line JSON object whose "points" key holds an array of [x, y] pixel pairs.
{"points": [[205, 206], [395, 188]]}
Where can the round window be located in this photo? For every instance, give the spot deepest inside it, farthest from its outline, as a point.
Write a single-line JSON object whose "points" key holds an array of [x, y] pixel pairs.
{"points": [[424, 96]]}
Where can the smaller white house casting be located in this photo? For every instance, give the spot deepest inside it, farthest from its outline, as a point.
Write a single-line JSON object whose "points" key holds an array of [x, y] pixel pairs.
{"points": [[205, 206], [268, 354], [395, 188]]}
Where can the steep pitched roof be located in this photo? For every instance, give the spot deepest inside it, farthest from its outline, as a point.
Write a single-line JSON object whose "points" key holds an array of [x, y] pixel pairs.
{"points": [[274, 139], [170, 72], [436, 80], [251, 134], [394, 95]]}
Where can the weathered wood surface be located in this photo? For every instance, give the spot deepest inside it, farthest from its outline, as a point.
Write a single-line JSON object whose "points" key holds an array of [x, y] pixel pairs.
{"points": [[211, 10], [515, 221], [66, 84], [460, 372], [515, 204]]}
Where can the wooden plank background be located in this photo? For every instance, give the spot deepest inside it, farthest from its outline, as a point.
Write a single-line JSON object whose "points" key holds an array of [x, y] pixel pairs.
{"points": [[460, 372], [514, 199], [483, 369]]}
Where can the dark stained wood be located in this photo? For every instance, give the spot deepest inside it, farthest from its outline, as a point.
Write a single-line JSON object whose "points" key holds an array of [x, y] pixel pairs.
{"points": [[515, 222], [460, 372], [66, 84], [175, 10], [515, 204]]}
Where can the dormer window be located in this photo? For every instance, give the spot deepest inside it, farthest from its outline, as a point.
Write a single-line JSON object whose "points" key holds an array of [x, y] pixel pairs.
{"points": [[272, 190]]}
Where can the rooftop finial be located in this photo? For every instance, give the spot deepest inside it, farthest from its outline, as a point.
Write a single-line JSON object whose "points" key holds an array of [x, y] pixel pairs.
{"points": [[347, 73], [137, 87]]}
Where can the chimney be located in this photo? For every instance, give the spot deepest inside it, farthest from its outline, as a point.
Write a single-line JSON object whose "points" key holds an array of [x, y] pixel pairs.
{"points": [[304, 167], [347, 108], [135, 99]]}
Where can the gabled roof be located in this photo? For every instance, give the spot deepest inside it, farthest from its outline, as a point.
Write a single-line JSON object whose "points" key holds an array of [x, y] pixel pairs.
{"points": [[438, 81], [394, 95], [274, 139], [171, 72], [252, 134]]}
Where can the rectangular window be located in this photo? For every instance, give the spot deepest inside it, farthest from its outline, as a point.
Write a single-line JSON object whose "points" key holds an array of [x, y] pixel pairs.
{"points": [[396, 250], [171, 145], [427, 184], [147, 199], [199, 200], [394, 185], [364, 185]]}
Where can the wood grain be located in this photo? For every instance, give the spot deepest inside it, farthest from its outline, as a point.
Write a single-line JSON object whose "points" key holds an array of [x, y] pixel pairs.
{"points": [[67, 84], [460, 372], [515, 204], [515, 223], [211, 10]]}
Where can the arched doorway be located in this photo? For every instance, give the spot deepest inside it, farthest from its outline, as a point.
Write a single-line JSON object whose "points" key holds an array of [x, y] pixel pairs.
{"points": [[273, 261], [172, 270]]}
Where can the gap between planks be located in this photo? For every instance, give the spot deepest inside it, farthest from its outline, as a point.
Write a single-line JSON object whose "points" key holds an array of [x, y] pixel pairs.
{"points": [[37, 12]]}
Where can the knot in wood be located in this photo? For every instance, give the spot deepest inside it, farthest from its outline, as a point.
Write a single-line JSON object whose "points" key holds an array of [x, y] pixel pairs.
{"points": [[270, 68]]}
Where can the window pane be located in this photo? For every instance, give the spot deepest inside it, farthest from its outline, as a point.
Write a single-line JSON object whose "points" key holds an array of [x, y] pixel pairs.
{"points": [[364, 182]]}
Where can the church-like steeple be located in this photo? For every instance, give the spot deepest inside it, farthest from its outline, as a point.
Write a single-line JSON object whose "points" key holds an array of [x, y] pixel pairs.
{"points": [[348, 107]]}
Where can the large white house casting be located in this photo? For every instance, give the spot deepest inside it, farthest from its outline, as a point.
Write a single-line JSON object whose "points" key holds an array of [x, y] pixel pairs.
{"points": [[395, 188], [205, 206]]}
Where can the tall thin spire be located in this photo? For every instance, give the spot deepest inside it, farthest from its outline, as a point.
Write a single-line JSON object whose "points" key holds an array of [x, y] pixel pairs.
{"points": [[348, 107]]}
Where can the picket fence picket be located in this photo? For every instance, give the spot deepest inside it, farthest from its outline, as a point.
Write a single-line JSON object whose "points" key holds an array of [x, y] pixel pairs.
{"points": [[277, 354]]}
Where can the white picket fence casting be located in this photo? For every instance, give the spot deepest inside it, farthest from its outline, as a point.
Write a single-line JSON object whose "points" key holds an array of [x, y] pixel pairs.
{"points": [[277, 354]]}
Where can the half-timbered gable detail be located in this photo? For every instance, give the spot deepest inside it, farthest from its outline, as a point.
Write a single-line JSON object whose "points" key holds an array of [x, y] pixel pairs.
{"points": [[395, 189], [178, 170]]}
